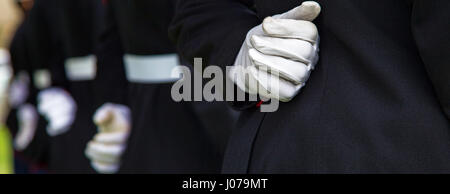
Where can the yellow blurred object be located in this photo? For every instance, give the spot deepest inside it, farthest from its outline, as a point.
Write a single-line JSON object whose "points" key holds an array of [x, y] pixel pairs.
{"points": [[10, 16], [6, 153]]}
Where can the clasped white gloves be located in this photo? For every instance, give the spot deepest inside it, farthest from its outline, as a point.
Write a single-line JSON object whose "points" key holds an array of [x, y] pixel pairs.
{"points": [[28, 119], [59, 108], [105, 150], [278, 56]]}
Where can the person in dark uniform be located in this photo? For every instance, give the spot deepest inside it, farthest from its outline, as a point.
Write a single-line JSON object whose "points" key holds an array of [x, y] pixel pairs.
{"points": [[62, 42], [27, 127], [164, 136], [377, 101], [79, 33]]}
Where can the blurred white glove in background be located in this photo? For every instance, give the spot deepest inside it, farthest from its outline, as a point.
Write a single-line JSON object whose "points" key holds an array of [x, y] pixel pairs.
{"points": [[28, 119], [106, 148], [5, 78], [19, 90], [284, 49], [59, 108]]}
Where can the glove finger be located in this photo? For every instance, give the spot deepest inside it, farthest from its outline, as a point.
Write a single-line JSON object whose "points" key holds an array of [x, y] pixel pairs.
{"points": [[122, 111], [113, 118], [111, 138], [290, 70], [94, 156], [121, 119], [275, 88], [308, 10], [61, 121], [294, 49], [104, 114], [27, 112], [51, 93], [60, 111], [245, 81], [55, 130], [102, 152], [50, 104], [107, 150], [286, 28], [105, 168], [27, 117]]}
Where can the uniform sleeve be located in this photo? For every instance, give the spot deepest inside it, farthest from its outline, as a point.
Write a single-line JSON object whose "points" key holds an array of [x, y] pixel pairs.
{"points": [[36, 50], [44, 41], [212, 29], [77, 27], [17, 50], [110, 71], [431, 27]]}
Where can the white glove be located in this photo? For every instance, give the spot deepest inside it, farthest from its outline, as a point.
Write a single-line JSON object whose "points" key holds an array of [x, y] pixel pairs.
{"points": [[18, 92], [59, 108], [278, 56], [106, 148], [28, 119]]}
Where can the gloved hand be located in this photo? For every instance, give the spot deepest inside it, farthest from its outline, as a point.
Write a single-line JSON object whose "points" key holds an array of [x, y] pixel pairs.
{"points": [[278, 56], [59, 108], [106, 148], [28, 119], [19, 89]]}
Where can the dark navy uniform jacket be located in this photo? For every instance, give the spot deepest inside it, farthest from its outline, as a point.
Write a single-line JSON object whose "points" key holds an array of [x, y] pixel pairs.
{"points": [[378, 101], [36, 152], [79, 21], [35, 47], [59, 30], [166, 136]]}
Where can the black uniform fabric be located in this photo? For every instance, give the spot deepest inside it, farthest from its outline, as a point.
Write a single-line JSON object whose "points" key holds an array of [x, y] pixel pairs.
{"points": [[376, 102], [166, 136], [79, 30], [62, 29], [111, 84], [44, 40], [37, 151]]}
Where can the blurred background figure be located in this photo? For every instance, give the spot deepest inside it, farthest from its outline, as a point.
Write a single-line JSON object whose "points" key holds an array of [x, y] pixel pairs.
{"points": [[29, 142], [10, 16], [51, 92], [60, 77], [61, 48], [136, 57], [75, 90]]}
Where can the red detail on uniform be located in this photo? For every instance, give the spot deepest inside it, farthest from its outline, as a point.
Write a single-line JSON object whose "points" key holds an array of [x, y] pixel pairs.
{"points": [[259, 103], [104, 2]]}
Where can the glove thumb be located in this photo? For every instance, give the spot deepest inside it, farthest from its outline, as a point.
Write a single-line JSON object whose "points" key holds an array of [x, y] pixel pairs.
{"points": [[104, 116], [308, 10]]}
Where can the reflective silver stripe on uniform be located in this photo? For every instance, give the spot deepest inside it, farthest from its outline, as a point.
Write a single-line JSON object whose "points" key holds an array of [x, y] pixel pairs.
{"points": [[81, 68], [152, 68]]}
